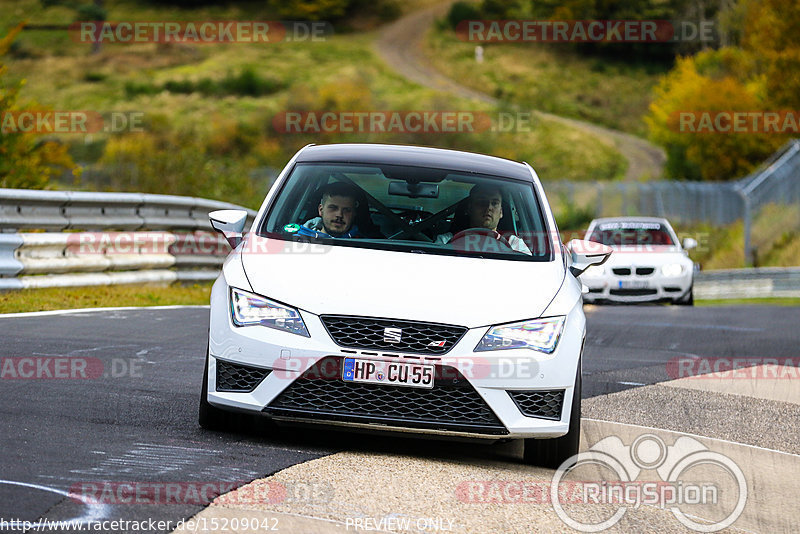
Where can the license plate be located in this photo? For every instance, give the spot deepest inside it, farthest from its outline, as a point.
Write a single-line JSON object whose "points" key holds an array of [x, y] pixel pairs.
{"points": [[634, 284], [413, 375]]}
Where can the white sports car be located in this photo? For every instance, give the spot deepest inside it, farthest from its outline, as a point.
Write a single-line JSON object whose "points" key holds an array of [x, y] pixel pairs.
{"points": [[402, 289], [648, 264]]}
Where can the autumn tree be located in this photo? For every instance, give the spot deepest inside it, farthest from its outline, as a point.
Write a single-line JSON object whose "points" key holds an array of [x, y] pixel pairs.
{"points": [[759, 75], [26, 161]]}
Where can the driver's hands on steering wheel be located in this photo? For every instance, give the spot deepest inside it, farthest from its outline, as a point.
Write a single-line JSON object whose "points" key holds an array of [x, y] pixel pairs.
{"points": [[481, 231]]}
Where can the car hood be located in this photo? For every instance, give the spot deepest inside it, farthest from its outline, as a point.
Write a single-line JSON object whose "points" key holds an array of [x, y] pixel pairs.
{"points": [[472, 292], [646, 255]]}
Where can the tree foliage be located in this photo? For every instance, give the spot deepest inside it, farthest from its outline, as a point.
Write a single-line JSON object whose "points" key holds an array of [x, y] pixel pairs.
{"points": [[310, 9], [26, 161], [759, 75]]}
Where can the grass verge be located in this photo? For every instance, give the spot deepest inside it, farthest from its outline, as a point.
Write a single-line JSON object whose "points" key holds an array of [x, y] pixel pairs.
{"points": [[63, 298], [552, 78], [211, 114]]}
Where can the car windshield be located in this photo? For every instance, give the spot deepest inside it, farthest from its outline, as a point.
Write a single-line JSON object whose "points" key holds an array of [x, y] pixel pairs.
{"points": [[631, 233], [410, 209]]}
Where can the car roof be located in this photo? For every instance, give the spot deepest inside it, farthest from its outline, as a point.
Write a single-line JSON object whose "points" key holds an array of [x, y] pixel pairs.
{"points": [[435, 158]]}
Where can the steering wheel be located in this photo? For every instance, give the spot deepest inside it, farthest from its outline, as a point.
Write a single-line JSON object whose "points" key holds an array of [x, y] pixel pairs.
{"points": [[491, 234]]}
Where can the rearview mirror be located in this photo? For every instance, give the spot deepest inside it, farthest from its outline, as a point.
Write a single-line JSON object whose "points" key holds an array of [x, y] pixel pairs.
{"points": [[585, 254], [229, 223], [414, 190], [689, 243]]}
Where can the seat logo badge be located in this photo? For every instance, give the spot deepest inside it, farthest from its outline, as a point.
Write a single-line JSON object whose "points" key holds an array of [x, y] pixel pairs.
{"points": [[392, 335]]}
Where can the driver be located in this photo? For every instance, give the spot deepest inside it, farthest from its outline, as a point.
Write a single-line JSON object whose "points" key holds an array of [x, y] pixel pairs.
{"points": [[337, 213], [484, 210]]}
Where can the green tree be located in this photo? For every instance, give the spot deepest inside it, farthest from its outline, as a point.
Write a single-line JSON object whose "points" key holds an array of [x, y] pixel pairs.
{"points": [[310, 9], [26, 161]]}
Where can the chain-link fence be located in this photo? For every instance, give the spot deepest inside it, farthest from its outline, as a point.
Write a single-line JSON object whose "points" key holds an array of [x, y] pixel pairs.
{"points": [[777, 181]]}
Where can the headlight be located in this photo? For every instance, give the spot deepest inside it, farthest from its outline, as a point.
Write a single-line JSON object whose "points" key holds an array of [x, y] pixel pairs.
{"points": [[672, 269], [539, 334], [250, 309]]}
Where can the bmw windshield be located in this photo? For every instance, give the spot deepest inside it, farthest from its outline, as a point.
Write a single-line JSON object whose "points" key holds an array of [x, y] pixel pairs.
{"points": [[410, 209], [618, 233]]}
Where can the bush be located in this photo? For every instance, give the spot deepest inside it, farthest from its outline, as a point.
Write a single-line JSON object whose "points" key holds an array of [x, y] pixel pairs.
{"points": [[310, 9], [245, 83], [572, 216], [461, 11], [26, 160], [704, 155]]}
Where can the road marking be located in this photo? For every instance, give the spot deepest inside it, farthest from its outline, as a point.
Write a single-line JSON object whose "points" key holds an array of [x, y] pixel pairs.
{"points": [[692, 435], [95, 511], [92, 310], [701, 326]]}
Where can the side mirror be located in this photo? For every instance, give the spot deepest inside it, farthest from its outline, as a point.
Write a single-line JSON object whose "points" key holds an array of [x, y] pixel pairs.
{"points": [[689, 243], [230, 223], [585, 254]]}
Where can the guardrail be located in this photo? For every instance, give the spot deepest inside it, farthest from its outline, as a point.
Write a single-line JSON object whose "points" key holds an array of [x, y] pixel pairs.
{"points": [[762, 282], [776, 181], [140, 238], [164, 238]]}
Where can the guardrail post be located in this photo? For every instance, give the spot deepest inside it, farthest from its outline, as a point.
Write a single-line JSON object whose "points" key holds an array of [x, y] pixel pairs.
{"points": [[9, 264], [747, 217]]}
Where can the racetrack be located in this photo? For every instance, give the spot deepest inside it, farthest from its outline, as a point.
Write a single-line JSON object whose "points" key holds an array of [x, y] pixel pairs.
{"points": [[138, 422]]}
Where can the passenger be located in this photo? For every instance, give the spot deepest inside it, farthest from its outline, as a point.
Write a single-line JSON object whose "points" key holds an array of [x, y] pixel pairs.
{"points": [[337, 213], [484, 210]]}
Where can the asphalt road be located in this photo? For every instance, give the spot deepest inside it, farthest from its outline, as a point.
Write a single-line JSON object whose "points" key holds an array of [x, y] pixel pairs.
{"points": [[136, 421], [628, 346]]}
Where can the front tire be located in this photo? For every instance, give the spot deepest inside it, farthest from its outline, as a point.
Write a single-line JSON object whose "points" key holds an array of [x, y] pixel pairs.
{"points": [[687, 300], [551, 453]]}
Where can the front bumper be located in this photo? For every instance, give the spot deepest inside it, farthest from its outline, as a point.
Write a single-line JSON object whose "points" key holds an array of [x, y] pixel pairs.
{"points": [[653, 288], [492, 376]]}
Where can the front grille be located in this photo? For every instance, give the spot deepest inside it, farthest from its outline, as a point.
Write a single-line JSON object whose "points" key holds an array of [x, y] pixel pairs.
{"points": [[541, 404], [233, 377], [633, 292], [452, 403], [621, 271], [369, 333], [644, 271]]}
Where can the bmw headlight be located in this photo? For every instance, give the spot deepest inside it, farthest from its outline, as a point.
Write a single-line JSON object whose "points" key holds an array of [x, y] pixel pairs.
{"points": [[672, 269], [251, 309], [539, 334]]}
